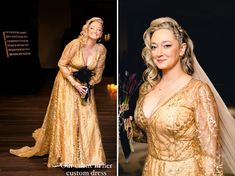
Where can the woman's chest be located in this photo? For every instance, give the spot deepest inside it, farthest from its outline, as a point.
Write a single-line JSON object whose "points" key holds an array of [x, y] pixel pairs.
{"points": [[79, 61], [174, 116]]}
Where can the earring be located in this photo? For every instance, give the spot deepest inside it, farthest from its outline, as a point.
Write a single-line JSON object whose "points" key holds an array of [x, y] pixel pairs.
{"points": [[99, 40], [182, 53]]}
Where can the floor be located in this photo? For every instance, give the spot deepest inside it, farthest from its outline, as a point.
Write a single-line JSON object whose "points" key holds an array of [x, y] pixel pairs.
{"points": [[21, 114]]}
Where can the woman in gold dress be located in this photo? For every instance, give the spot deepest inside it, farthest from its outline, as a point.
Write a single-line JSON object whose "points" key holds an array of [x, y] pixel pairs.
{"points": [[70, 132], [176, 114]]}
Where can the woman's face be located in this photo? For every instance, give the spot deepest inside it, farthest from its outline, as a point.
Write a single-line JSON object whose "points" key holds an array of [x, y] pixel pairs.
{"points": [[166, 50], [95, 30]]}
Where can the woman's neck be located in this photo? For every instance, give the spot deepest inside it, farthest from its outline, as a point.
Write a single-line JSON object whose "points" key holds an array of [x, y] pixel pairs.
{"points": [[172, 74], [90, 43]]}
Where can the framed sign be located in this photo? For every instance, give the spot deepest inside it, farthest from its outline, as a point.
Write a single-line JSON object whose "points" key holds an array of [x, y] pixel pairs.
{"points": [[16, 43]]}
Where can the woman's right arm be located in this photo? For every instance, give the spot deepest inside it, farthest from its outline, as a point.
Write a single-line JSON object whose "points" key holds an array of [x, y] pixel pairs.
{"points": [[69, 51], [138, 134], [134, 131]]}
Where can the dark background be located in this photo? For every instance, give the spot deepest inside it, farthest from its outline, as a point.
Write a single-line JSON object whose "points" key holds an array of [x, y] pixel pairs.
{"points": [[26, 74], [210, 24]]}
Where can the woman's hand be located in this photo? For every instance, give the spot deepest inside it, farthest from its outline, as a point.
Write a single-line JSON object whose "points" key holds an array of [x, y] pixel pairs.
{"points": [[128, 127], [81, 89]]}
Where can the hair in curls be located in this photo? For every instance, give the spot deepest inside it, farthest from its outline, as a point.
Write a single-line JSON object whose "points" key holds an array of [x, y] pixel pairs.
{"points": [[152, 74], [84, 33]]}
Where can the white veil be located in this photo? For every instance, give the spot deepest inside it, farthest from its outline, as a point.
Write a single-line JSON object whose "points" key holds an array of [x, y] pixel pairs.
{"points": [[227, 122]]}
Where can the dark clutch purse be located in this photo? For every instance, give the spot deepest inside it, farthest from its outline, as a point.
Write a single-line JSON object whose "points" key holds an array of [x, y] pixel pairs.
{"points": [[84, 76]]}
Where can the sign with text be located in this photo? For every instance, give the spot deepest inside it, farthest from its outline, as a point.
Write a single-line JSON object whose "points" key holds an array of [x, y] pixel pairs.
{"points": [[16, 43]]}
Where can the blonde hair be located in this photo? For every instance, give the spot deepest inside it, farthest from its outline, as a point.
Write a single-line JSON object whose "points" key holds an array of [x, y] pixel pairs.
{"points": [[83, 34], [152, 74]]}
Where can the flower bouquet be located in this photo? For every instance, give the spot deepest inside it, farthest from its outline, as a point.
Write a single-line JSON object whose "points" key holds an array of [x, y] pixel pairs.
{"points": [[84, 76], [128, 85]]}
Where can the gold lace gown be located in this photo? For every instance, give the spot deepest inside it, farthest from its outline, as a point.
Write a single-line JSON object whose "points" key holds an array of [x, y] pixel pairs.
{"points": [[70, 133], [182, 134]]}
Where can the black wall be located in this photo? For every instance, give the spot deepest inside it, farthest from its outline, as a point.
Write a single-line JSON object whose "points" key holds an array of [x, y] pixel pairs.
{"points": [[19, 73]]}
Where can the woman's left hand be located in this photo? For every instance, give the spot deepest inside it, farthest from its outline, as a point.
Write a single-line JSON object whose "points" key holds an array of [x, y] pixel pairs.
{"points": [[81, 89]]}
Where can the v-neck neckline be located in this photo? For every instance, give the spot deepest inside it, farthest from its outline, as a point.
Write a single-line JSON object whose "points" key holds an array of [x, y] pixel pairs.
{"points": [[157, 107], [85, 62]]}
